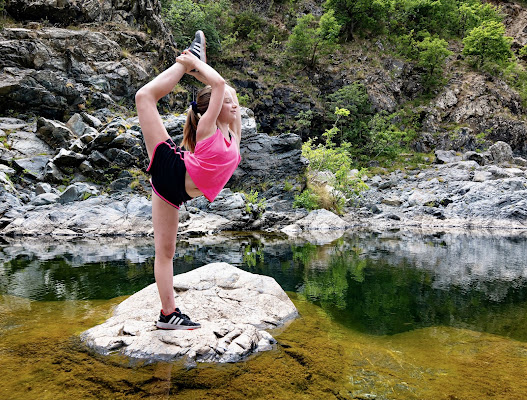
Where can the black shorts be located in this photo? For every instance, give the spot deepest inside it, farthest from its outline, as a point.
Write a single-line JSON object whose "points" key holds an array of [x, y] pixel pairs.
{"points": [[168, 173]]}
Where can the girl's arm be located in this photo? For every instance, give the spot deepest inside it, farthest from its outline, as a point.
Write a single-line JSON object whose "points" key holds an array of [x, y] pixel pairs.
{"points": [[235, 127]]}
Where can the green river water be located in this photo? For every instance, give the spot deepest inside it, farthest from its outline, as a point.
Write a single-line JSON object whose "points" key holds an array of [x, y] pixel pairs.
{"points": [[394, 315]]}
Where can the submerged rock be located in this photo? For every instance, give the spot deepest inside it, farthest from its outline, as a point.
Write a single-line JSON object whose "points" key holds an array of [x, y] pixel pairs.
{"points": [[234, 308]]}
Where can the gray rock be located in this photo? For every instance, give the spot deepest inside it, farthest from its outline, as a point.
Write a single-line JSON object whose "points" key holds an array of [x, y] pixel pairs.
{"points": [[91, 120], [68, 158], [482, 176], [27, 144], [52, 173], [44, 199], [54, 133], [77, 125], [98, 159], [6, 183], [317, 220], [233, 306], [41, 188], [446, 156], [520, 161], [501, 152], [34, 166], [480, 158], [89, 135], [77, 191], [97, 216], [120, 157]]}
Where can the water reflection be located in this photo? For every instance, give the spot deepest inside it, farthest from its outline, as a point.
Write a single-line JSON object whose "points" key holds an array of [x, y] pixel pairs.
{"points": [[377, 283]]}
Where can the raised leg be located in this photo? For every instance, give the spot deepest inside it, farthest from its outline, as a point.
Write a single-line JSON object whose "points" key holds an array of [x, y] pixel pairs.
{"points": [[146, 100]]}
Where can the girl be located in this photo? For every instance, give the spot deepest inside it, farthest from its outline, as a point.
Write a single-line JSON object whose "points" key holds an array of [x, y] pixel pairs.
{"points": [[211, 137]]}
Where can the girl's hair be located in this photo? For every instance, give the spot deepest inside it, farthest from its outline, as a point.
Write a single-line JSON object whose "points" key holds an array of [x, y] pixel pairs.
{"points": [[193, 116]]}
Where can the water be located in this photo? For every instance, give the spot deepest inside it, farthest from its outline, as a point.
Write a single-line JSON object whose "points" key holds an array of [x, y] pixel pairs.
{"points": [[398, 315]]}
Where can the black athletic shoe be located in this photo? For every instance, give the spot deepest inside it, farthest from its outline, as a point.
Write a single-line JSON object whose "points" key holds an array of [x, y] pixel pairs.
{"points": [[176, 320], [198, 46]]}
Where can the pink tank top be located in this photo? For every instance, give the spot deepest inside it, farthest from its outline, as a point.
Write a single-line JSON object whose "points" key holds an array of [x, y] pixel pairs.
{"points": [[212, 163]]}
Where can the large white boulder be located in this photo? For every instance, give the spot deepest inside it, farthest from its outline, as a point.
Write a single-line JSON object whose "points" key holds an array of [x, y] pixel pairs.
{"points": [[233, 306]]}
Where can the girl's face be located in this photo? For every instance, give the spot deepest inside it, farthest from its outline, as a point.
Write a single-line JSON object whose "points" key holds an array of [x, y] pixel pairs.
{"points": [[229, 109]]}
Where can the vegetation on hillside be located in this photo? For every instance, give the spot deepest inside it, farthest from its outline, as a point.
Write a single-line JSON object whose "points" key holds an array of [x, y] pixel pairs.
{"points": [[289, 42]]}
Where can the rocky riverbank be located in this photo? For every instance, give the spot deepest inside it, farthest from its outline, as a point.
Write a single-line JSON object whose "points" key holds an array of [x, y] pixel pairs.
{"points": [[471, 190]]}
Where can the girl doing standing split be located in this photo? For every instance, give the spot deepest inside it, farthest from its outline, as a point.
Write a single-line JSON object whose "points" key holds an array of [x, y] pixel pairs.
{"points": [[211, 137]]}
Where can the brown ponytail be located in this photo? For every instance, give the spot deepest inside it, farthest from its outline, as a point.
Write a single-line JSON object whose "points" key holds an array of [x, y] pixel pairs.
{"points": [[193, 116]]}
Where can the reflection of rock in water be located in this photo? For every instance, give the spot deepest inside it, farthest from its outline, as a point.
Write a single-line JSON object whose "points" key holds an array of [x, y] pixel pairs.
{"points": [[79, 251], [462, 259]]}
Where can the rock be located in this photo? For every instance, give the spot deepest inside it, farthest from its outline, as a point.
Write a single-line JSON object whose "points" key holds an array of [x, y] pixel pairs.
{"points": [[446, 156], [480, 158], [27, 144], [268, 160], [501, 152], [96, 216], [54, 133], [482, 176], [520, 161], [52, 173], [42, 187], [68, 158], [44, 199], [233, 306], [91, 120], [77, 125], [77, 191], [317, 220], [34, 166]]}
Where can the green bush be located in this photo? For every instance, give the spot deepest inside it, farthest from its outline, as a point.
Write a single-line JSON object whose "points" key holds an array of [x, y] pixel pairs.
{"points": [[472, 13], [307, 199], [432, 55], [336, 159], [359, 15], [185, 17], [247, 22], [355, 99], [487, 43], [309, 39]]}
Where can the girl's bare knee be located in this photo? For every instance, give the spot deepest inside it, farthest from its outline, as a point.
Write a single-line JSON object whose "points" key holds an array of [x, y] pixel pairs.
{"points": [[165, 250]]}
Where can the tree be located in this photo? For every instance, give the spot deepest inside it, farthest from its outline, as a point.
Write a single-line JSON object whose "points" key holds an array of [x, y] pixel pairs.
{"points": [[186, 17], [473, 13], [354, 98], [432, 55], [307, 40], [488, 42], [353, 15]]}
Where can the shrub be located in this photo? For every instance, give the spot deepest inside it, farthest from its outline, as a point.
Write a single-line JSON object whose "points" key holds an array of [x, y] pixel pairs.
{"points": [[308, 40], [487, 43], [355, 99], [307, 199], [432, 55], [185, 17], [355, 15], [336, 159]]}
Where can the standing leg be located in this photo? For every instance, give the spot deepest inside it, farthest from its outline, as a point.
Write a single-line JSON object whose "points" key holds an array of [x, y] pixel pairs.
{"points": [[165, 219]]}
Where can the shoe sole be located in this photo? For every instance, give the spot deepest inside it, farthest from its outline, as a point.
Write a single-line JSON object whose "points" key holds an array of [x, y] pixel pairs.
{"points": [[202, 37], [172, 327]]}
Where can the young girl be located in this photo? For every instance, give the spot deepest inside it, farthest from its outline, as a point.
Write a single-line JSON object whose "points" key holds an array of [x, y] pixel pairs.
{"points": [[211, 137]]}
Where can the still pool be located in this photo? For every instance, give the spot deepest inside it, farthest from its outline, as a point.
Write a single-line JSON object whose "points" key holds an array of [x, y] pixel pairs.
{"points": [[385, 315]]}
